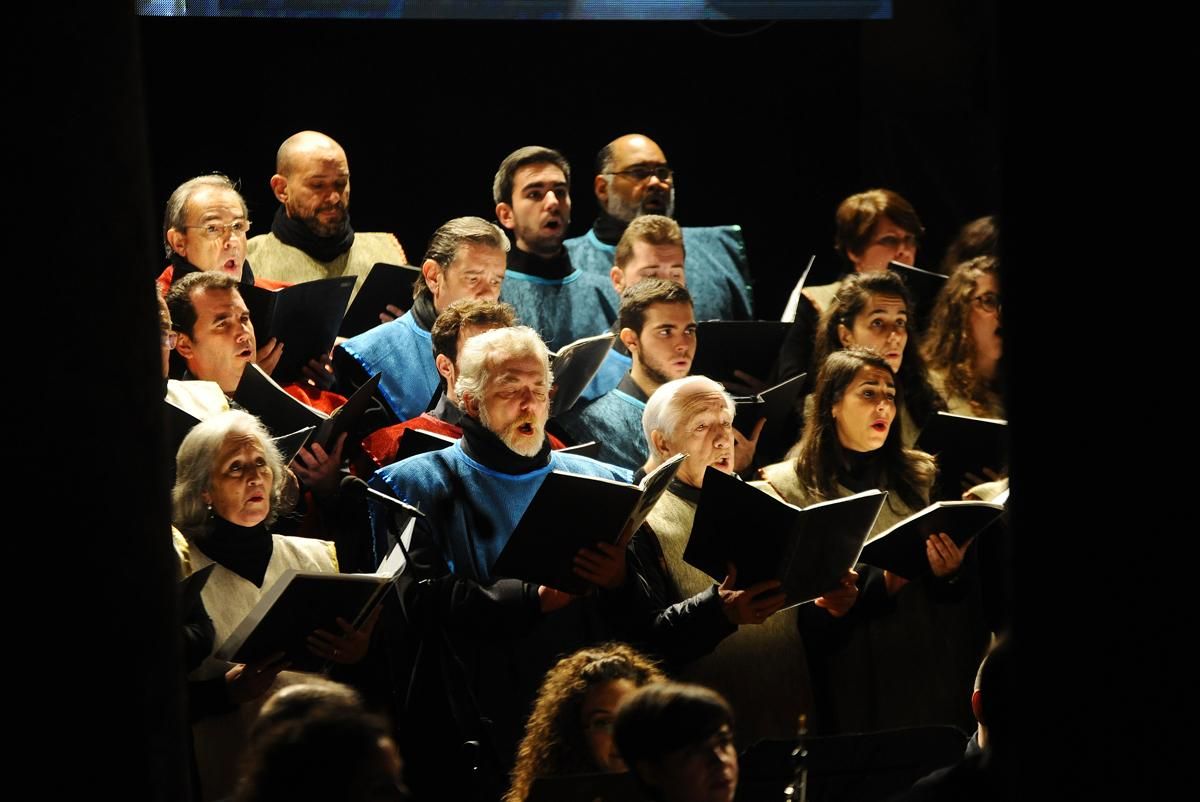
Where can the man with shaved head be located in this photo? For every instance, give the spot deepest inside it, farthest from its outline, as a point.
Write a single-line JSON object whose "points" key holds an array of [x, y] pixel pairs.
{"points": [[311, 237], [633, 179]]}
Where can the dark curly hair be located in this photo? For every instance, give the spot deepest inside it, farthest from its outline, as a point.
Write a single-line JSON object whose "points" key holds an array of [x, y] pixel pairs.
{"points": [[554, 742]]}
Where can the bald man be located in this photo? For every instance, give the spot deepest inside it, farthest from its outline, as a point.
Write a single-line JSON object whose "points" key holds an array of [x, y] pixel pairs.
{"points": [[311, 237], [633, 179]]}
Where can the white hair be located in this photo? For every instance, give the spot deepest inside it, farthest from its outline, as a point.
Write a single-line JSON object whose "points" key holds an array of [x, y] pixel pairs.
{"points": [[483, 352], [675, 403], [197, 460]]}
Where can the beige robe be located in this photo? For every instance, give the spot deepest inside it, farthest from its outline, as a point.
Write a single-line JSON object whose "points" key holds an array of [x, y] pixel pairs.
{"points": [[271, 259], [220, 741], [761, 669]]}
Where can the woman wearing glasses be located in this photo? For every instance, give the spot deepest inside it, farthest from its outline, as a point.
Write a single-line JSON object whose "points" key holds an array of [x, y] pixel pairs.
{"points": [[873, 228], [965, 340]]}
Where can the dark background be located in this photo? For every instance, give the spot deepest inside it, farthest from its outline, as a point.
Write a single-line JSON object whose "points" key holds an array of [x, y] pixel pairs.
{"points": [[768, 125], [108, 112]]}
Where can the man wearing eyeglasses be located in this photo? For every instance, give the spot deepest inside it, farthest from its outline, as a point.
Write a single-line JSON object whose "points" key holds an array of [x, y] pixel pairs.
{"points": [[465, 259], [204, 229], [311, 237], [634, 179]]}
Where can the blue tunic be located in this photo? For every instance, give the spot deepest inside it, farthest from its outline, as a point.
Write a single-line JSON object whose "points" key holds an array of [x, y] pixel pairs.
{"points": [[614, 368], [715, 262], [472, 509], [561, 310], [614, 421], [403, 352]]}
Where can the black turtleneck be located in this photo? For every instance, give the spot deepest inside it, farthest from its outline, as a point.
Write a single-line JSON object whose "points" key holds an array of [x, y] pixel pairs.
{"points": [[531, 264], [609, 229], [423, 310], [295, 233], [183, 267], [483, 446], [861, 470], [245, 550]]}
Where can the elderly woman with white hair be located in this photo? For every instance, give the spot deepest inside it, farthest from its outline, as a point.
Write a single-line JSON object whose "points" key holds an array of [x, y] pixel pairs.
{"points": [[229, 479], [760, 669]]}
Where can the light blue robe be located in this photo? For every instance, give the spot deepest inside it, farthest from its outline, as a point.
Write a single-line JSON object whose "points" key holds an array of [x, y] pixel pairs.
{"points": [[715, 259], [472, 509], [403, 352]]}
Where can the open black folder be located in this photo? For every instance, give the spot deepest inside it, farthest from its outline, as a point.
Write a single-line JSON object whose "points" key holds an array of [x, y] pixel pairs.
{"points": [[808, 549], [751, 346], [574, 365], [963, 445], [304, 317], [385, 284], [901, 548], [281, 413], [570, 512], [301, 602], [775, 404]]}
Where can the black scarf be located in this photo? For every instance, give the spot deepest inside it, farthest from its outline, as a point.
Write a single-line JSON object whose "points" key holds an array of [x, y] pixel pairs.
{"points": [[531, 264], [295, 233], [861, 470], [609, 229], [423, 311], [183, 267], [245, 550], [483, 446]]}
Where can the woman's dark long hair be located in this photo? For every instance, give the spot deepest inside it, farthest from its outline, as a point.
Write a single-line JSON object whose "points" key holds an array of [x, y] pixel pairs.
{"points": [[906, 472], [912, 383]]}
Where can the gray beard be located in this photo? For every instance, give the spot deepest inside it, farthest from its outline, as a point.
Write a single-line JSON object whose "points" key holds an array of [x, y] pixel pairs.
{"points": [[529, 449], [622, 210]]}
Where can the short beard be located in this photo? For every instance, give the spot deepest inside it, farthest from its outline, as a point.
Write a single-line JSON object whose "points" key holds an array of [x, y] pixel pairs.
{"points": [[324, 230], [618, 207], [655, 375], [525, 449]]}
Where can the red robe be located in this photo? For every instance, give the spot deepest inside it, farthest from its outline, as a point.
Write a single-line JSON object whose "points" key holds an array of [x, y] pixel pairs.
{"points": [[382, 444]]}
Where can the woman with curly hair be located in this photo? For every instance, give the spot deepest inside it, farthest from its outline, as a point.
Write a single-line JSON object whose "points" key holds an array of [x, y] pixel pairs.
{"points": [[965, 340], [570, 728]]}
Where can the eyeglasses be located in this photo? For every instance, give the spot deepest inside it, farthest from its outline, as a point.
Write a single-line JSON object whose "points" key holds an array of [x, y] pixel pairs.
{"points": [[893, 242], [222, 230], [642, 172], [168, 338], [989, 302]]}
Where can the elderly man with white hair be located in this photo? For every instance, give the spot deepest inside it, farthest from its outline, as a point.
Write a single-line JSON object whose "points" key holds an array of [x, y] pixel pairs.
{"points": [[761, 670], [473, 493]]}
